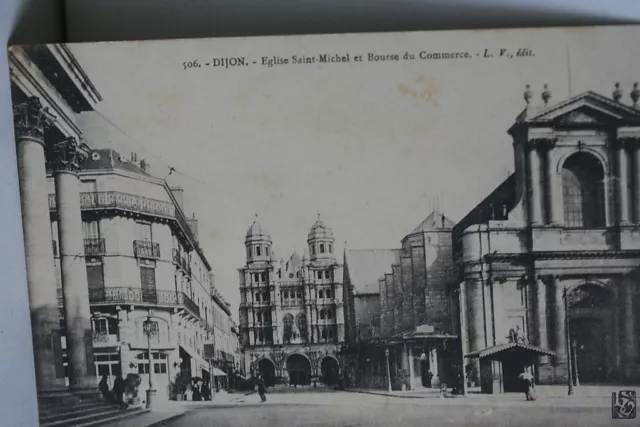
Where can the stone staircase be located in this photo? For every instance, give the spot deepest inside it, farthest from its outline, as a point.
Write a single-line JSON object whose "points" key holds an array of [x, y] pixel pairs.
{"points": [[87, 411]]}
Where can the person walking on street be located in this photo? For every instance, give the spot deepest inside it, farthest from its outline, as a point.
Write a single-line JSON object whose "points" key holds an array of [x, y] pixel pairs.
{"points": [[528, 385], [261, 389]]}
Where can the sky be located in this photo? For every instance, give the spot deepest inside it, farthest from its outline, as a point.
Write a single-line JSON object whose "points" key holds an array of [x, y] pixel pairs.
{"points": [[369, 146]]}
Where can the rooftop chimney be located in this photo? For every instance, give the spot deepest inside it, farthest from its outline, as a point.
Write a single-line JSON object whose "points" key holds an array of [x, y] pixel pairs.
{"points": [[193, 225], [178, 194]]}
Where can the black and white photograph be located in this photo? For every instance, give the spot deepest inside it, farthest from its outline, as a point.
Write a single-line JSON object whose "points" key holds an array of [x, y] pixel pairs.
{"points": [[418, 228]]}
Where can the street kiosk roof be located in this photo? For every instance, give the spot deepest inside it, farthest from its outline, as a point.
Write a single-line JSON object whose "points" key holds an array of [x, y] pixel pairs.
{"points": [[502, 350]]}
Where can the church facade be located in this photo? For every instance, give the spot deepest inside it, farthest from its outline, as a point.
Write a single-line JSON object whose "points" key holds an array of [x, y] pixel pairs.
{"points": [[550, 258], [291, 312]]}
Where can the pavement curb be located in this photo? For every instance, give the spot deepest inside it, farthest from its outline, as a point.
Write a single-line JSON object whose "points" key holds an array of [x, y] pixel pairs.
{"points": [[404, 396], [164, 421]]}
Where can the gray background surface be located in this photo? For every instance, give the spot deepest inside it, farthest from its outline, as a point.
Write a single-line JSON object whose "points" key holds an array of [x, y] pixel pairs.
{"points": [[39, 21]]}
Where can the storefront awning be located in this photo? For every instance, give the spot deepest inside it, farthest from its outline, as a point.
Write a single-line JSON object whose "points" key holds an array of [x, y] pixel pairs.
{"points": [[505, 350], [218, 373]]}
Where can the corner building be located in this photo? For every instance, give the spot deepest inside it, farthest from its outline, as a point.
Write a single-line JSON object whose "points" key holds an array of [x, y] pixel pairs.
{"points": [[291, 312], [565, 224]]}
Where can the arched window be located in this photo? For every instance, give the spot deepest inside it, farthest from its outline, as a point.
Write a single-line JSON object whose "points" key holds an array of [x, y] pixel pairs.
{"points": [[327, 274], [313, 249], [330, 333], [321, 248], [320, 293], [328, 293], [583, 191], [265, 296], [319, 274], [285, 294], [287, 320], [324, 333], [323, 313], [258, 296], [266, 250], [329, 314], [259, 316], [258, 251], [330, 248], [249, 251]]}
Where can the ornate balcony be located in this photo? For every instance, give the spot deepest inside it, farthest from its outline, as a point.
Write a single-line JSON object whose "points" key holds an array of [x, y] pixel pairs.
{"points": [[144, 249], [94, 247], [130, 203], [139, 296], [181, 261]]}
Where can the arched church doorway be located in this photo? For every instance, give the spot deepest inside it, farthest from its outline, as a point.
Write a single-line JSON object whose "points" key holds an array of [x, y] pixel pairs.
{"points": [[591, 337], [299, 370], [267, 372], [583, 191], [330, 371]]}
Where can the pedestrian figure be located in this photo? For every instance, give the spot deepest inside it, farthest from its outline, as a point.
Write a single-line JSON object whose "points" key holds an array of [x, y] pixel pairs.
{"points": [[529, 386], [206, 391], [261, 390], [103, 386], [118, 391], [196, 396]]}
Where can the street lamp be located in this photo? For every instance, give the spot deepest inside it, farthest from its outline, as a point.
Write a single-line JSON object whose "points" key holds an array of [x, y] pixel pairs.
{"points": [[568, 342], [150, 328], [386, 356]]}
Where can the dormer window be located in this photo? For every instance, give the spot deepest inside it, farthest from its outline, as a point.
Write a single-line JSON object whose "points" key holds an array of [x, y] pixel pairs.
{"points": [[249, 251], [258, 251], [313, 249], [321, 248], [330, 248]]}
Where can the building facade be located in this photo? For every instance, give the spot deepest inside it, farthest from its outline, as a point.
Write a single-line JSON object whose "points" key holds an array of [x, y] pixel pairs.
{"points": [[550, 258], [121, 269], [400, 312], [291, 313]]}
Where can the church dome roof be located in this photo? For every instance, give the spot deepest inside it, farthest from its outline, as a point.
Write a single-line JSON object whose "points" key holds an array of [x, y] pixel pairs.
{"points": [[320, 230], [257, 229]]}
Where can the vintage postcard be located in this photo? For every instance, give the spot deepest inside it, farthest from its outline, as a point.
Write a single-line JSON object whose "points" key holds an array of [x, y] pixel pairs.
{"points": [[333, 230]]}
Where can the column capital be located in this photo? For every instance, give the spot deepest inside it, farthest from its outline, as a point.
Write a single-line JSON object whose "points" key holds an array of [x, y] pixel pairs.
{"points": [[542, 144], [627, 142], [68, 154], [30, 119]]}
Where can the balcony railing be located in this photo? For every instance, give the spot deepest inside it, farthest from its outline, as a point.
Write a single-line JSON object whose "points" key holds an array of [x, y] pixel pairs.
{"points": [[181, 261], [94, 247], [123, 295], [100, 200], [144, 249]]}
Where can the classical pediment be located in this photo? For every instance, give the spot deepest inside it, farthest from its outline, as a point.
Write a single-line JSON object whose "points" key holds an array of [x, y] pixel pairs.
{"points": [[586, 109]]}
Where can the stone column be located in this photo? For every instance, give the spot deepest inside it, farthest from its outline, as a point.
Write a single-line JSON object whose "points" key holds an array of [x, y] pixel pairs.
{"points": [[541, 335], [412, 380], [559, 328], [555, 187], [475, 323], [630, 340], [536, 193], [68, 155], [31, 120], [623, 190], [636, 199]]}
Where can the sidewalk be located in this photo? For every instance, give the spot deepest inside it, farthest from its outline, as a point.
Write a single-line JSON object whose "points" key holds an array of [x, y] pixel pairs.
{"points": [[166, 411], [550, 396]]}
